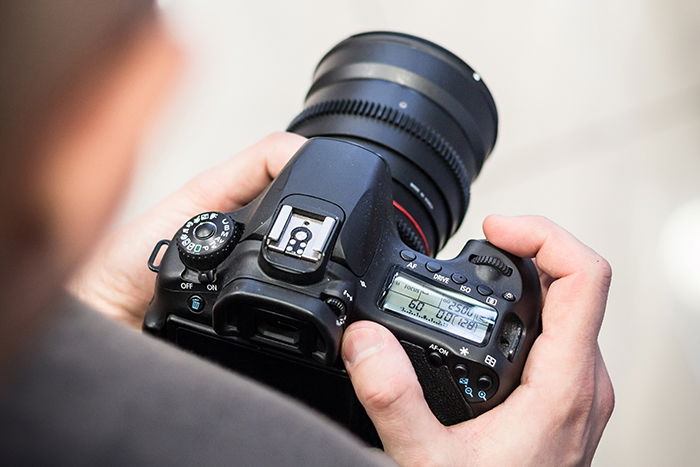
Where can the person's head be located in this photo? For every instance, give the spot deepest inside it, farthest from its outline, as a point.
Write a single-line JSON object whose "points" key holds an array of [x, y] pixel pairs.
{"points": [[80, 81]]}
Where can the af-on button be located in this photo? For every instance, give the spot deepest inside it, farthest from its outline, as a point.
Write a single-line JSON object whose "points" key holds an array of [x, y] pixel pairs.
{"points": [[435, 359]]}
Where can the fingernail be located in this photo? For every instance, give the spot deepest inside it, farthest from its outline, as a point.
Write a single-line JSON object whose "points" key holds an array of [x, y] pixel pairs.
{"points": [[360, 343]]}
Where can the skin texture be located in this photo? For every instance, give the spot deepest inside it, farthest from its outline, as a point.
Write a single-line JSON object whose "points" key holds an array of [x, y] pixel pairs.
{"points": [[558, 413], [116, 280], [556, 416]]}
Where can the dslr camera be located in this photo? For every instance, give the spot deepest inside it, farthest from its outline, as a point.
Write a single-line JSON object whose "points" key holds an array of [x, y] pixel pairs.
{"points": [[399, 127]]}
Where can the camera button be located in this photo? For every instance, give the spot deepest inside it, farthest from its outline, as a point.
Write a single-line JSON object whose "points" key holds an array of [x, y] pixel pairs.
{"points": [[484, 382], [205, 230], [432, 266], [407, 255], [195, 303], [435, 359], [483, 290], [459, 278], [461, 371]]}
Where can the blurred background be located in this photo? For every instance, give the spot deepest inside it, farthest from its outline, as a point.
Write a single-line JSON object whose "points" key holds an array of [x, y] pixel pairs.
{"points": [[599, 108]]}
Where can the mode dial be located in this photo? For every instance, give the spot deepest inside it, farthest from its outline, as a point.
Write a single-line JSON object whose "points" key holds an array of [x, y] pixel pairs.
{"points": [[206, 239]]}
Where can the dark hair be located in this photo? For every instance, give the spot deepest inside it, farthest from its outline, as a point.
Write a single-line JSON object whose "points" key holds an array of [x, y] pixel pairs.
{"points": [[49, 50]]}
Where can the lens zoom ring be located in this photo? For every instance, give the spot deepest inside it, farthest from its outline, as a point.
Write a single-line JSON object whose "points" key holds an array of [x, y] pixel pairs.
{"points": [[400, 120]]}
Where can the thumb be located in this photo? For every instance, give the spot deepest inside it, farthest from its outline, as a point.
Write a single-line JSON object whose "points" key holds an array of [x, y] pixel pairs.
{"points": [[387, 387]]}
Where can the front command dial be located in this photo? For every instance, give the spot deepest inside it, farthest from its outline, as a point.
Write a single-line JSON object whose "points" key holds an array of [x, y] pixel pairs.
{"points": [[206, 239]]}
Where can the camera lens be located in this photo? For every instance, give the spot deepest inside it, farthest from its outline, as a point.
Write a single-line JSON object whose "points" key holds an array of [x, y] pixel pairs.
{"points": [[422, 109]]}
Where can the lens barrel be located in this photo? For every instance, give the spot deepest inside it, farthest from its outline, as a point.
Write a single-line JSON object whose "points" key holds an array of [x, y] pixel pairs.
{"points": [[422, 109]]}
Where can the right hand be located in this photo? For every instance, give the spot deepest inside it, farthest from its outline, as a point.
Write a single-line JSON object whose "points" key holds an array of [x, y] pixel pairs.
{"points": [[557, 414]]}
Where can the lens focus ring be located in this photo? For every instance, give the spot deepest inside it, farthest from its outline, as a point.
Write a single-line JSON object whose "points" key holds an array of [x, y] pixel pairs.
{"points": [[398, 119], [426, 112]]}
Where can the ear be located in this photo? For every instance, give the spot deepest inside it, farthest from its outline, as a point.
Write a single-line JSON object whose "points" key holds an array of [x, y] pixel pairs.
{"points": [[93, 143]]}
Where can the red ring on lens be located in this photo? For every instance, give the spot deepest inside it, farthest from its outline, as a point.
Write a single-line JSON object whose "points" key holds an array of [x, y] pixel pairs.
{"points": [[415, 225]]}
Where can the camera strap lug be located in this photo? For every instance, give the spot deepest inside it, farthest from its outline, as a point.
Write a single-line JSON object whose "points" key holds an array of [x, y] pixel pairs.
{"points": [[154, 254]]}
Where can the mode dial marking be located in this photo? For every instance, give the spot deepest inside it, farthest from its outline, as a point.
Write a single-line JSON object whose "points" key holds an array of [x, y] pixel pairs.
{"points": [[206, 239]]}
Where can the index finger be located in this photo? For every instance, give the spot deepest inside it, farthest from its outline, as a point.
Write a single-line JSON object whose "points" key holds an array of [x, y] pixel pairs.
{"points": [[238, 180], [575, 302]]}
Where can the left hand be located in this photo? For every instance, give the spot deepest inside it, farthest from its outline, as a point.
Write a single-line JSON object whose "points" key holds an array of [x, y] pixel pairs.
{"points": [[115, 279]]}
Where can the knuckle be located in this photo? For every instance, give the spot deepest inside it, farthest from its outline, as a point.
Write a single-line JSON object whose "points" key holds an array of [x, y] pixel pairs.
{"points": [[274, 137], [281, 138], [582, 403], [385, 397], [576, 401], [544, 221], [604, 268], [608, 405], [607, 399], [597, 271]]}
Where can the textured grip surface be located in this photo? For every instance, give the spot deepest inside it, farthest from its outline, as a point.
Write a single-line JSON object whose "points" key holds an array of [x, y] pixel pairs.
{"points": [[441, 393]]}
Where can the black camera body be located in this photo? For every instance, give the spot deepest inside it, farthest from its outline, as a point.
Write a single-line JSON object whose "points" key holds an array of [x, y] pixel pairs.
{"points": [[466, 323], [269, 289]]}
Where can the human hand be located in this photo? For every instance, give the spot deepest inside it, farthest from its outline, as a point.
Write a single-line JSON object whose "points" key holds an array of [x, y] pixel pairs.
{"points": [[116, 281], [557, 414]]}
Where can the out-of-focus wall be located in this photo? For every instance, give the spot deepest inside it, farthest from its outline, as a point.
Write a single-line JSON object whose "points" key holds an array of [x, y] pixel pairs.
{"points": [[600, 130]]}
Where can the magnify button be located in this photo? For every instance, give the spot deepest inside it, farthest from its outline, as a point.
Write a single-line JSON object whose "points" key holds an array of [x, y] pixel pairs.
{"points": [[469, 391]]}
